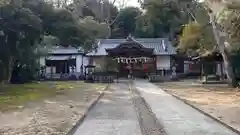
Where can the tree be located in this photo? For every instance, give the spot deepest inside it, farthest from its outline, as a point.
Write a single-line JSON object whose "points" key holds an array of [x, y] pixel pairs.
{"points": [[161, 19], [49, 40], [102, 11], [20, 29], [23, 23], [61, 23], [94, 30], [189, 38], [59, 3], [221, 42], [197, 36], [99, 30], [99, 9], [125, 24], [143, 29], [3, 2], [222, 17], [197, 40]]}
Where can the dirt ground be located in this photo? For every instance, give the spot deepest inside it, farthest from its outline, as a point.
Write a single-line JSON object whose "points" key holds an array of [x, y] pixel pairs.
{"points": [[53, 115], [218, 100]]}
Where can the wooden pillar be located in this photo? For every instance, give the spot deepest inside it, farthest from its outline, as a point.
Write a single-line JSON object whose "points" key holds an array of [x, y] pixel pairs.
{"points": [[51, 71], [66, 66], [202, 70], [82, 66], [155, 63]]}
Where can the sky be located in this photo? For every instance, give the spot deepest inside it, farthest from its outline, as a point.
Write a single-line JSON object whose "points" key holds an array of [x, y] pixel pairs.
{"points": [[133, 3], [129, 3]]}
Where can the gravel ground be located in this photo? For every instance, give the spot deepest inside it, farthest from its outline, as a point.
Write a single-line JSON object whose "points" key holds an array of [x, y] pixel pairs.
{"points": [[147, 120], [53, 116]]}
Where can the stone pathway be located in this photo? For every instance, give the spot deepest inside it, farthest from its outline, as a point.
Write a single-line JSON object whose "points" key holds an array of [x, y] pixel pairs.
{"points": [[113, 115], [149, 124], [177, 117]]}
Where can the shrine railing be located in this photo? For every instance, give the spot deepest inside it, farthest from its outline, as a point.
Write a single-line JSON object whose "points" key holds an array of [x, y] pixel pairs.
{"points": [[162, 75], [61, 76], [102, 77]]}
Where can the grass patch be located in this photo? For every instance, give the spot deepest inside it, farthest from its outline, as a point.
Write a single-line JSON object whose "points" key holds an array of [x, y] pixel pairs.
{"points": [[14, 95]]}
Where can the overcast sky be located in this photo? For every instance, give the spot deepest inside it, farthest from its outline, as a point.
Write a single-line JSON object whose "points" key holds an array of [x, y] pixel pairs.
{"points": [[129, 3], [132, 3], [135, 3]]}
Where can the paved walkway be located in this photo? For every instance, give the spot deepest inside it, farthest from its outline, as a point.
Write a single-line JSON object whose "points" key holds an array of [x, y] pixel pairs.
{"points": [[177, 117], [113, 115]]}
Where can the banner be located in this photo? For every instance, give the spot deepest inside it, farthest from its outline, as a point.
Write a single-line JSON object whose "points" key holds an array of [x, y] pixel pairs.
{"points": [[133, 60]]}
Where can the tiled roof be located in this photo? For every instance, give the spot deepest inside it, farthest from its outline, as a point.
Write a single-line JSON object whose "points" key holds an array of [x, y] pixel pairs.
{"points": [[64, 50], [162, 46], [58, 58]]}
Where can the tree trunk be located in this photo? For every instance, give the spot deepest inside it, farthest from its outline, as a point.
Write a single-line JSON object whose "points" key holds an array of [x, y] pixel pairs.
{"points": [[5, 75], [220, 40], [10, 67], [8, 70], [229, 70], [1, 72]]}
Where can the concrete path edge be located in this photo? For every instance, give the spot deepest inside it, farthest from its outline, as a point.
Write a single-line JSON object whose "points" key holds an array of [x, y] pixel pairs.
{"points": [[92, 104], [204, 113]]}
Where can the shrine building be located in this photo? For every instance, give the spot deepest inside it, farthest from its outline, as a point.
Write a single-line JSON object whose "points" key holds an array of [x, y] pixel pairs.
{"points": [[156, 54]]}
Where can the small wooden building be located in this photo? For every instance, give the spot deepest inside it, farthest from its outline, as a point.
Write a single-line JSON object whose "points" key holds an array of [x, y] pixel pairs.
{"points": [[63, 61], [211, 66]]}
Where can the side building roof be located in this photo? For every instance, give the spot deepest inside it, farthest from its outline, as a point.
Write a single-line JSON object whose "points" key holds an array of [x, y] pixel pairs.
{"points": [[59, 50], [161, 46]]}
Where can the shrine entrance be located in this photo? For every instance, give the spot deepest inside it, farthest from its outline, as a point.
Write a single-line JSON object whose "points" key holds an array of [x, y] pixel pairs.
{"points": [[139, 67], [133, 58]]}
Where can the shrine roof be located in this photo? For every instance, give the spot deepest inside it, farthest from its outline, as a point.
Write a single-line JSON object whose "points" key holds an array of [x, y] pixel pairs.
{"points": [[161, 46]]}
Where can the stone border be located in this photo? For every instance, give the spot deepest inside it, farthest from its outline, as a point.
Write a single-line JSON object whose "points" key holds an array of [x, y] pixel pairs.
{"points": [[81, 120], [204, 113], [132, 88]]}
